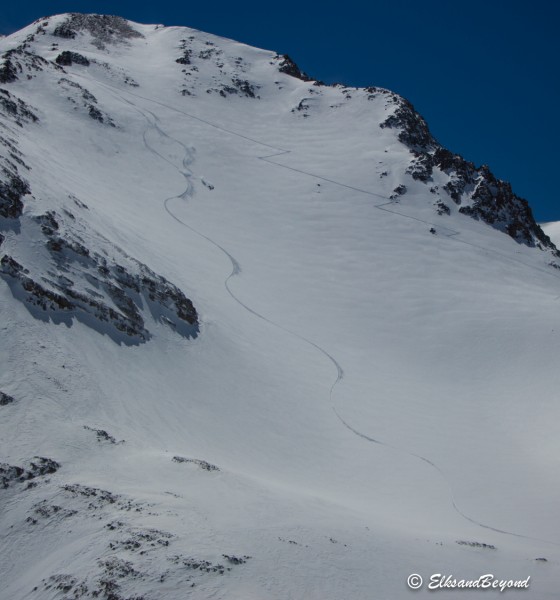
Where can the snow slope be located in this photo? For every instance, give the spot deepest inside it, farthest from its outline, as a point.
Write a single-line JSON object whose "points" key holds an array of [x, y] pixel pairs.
{"points": [[373, 381], [552, 229]]}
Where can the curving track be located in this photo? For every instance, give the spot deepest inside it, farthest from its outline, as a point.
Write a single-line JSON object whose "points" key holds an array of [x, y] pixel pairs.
{"points": [[186, 173]]}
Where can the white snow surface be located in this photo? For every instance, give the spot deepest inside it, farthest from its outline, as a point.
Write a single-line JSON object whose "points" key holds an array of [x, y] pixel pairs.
{"points": [[371, 393], [552, 229]]}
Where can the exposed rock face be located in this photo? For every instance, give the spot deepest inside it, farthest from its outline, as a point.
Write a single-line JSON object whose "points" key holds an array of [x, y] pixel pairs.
{"points": [[288, 66], [185, 59], [414, 131], [104, 294], [202, 464], [19, 61], [15, 108], [228, 76], [495, 203], [13, 187], [103, 436], [36, 467], [68, 58], [82, 98], [476, 190], [400, 190], [244, 87], [5, 399], [12, 191], [104, 29], [8, 70]]}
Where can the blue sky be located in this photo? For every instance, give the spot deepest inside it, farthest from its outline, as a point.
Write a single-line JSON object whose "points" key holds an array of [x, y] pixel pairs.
{"points": [[485, 75]]}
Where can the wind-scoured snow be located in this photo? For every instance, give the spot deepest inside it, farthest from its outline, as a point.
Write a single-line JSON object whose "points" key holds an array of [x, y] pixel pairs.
{"points": [[287, 371]]}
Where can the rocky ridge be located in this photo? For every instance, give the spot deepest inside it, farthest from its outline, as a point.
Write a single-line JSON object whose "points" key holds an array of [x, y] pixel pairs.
{"points": [[82, 283], [475, 190]]}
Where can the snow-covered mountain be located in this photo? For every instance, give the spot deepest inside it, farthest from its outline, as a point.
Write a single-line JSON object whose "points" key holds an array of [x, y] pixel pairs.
{"points": [[262, 338]]}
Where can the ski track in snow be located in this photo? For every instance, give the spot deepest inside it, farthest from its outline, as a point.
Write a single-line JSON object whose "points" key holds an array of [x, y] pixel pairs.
{"points": [[443, 475], [236, 270], [236, 267], [451, 233]]}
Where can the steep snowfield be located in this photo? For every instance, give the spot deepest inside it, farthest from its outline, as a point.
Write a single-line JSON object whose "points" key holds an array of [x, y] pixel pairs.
{"points": [[552, 229], [372, 393]]}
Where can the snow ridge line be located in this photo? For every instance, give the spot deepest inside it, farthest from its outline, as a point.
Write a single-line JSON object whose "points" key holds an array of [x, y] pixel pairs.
{"points": [[444, 476]]}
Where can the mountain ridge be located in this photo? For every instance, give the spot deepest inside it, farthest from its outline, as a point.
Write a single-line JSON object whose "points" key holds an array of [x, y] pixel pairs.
{"points": [[492, 201], [246, 351]]}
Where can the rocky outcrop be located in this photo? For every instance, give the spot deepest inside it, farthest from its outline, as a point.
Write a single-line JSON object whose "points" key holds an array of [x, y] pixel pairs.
{"points": [[16, 109], [413, 129], [240, 87], [102, 293], [103, 436], [12, 190], [36, 467], [8, 70], [185, 58], [67, 59], [476, 190], [104, 29], [202, 464], [5, 399], [400, 190], [13, 187], [19, 61], [494, 202], [83, 99], [289, 67], [110, 291]]}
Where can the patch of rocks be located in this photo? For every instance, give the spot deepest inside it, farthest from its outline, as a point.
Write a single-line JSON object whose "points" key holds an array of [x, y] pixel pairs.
{"points": [[45, 511], [103, 294], [103, 436], [476, 190], [104, 29], [413, 129], [202, 464], [67, 59], [19, 61], [442, 208], [38, 466], [400, 190], [13, 186], [142, 540], [96, 499], [236, 560], [6, 399], [83, 99], [286, 65], [16, 109], [107, 585], [476, 545]]}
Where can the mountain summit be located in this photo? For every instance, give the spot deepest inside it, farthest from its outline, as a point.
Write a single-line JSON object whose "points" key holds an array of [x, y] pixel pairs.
{"points": [[262, 337]]}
